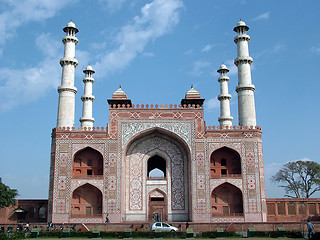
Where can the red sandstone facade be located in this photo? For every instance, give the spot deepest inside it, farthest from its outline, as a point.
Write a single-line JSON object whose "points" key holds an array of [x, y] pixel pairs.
{"points": [[207, 174]]}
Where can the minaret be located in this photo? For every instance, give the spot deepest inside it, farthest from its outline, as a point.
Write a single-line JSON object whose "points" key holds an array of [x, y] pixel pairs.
{"points": [[67, 90], [245, 88], [87, 120], [225, 119]]}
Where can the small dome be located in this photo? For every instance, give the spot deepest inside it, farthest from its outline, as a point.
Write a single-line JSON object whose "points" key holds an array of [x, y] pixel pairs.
{"points": [[71, 24], [223, 66], [89, 68], [241, 23], [192, 93], [119, 94]]}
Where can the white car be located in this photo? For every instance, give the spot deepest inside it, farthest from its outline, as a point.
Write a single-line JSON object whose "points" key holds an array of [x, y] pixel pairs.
{"points": [[164, 227]]}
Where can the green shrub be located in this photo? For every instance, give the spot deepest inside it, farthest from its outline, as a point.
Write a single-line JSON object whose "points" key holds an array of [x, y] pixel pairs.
{"points": [[316, 236], [218, 234], [294, 234], [3, 236]]}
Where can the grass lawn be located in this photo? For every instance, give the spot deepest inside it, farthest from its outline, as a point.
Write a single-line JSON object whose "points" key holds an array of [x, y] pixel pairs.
{"points": [[251, 238]]}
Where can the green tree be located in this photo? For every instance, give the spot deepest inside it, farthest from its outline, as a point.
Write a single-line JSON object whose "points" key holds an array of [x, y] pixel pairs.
{"points": [[7, 195], [300, 179]]}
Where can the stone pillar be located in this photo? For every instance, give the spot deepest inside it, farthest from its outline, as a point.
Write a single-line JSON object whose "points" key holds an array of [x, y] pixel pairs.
{"points": [[87, 98], [67, 90], [245, 88], [225, 119]]}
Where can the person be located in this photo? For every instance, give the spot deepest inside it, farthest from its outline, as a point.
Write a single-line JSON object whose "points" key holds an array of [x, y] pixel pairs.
{"points": [[310, 229], [27, 227], [107, 219]]}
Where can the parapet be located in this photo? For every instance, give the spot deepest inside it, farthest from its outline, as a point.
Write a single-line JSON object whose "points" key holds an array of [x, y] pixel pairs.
{"points": [[80, 129], [240, 128], [156, 106]]}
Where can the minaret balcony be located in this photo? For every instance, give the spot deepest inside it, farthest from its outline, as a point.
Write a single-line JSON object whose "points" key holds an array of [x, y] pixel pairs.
{"points": [[67, 89], [244, 88], [87, 98], [243, 60], [243, 37], [65, 61], [223, 78], [70, 39], [224, 97]]}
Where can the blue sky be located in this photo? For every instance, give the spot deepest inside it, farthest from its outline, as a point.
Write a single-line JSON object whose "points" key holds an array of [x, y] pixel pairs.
{"points": [[156, 49]]}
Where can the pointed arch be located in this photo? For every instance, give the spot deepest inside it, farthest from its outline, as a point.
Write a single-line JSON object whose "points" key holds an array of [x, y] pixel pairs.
{"points": [[158, 131], [158, 207], [157, 143], [226, 200], [87, 163], [86, 201], [225, 162]]}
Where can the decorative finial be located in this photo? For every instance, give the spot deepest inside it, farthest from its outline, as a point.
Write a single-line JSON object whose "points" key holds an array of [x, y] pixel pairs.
{"points": [[120, 86], [191, 85]]}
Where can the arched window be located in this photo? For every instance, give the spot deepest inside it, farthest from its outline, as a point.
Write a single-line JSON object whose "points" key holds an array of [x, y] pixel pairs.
{"points": [[225, 162], [86, 200], [156, 167], [87, 163], [226, 200]]}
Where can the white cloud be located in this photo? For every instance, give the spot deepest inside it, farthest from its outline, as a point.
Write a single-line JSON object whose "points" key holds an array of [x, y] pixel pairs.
{"points": [[21, 12], [315, 49], [98, 45], [212, 103], [232, 67], [199, 67], [276, 48], [21, 86], [188, 52], [157, 18], [207, 48], [148, 54], [264, 16], [113, 5]]}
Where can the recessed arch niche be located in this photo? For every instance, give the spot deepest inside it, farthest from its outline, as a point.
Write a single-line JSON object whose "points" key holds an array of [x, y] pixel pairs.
{"points": [[87, 163], [167, 153]]}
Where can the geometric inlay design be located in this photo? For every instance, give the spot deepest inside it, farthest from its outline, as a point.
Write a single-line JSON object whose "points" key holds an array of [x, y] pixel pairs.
{"points": [[182, 129]]}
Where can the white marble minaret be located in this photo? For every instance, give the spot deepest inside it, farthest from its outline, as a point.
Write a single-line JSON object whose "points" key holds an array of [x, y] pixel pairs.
{"points": [[67, 90], [245, 88], [225, 119], [87, 98]]}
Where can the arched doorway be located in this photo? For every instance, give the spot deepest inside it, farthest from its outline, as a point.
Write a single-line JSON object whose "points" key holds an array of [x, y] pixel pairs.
{"points": [[88, 163], [225, 162], [86, 202], [226, 200], [157, 206], [161, 151]]}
